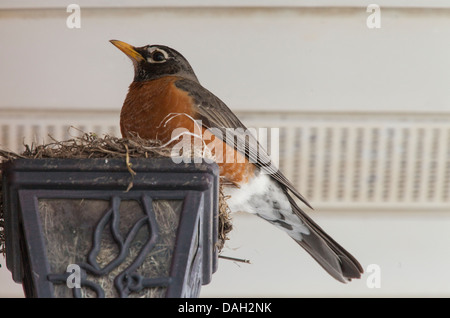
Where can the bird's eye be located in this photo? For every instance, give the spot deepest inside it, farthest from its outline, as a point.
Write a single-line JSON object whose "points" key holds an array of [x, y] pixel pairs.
{"points": [[157, 55]]}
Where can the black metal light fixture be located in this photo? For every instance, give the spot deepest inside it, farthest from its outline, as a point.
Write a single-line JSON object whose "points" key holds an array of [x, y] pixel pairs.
{"points": [[75, 229]]}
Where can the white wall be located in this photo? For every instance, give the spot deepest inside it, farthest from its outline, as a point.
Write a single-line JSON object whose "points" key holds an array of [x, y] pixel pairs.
{"points": [[260, 58], [253, 58]]}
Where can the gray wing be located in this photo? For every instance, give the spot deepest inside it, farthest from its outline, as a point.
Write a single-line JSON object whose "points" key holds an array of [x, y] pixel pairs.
{"points": [[215, 114]]}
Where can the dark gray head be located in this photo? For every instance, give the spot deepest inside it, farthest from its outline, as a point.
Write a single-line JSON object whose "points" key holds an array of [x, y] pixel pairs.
{"points": [[155, 61]]}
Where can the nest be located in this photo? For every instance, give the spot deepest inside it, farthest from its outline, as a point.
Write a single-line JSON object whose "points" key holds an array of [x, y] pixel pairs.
{"points": [[93, 146]]}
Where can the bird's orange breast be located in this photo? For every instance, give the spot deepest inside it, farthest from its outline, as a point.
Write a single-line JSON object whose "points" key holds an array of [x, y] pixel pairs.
{"points": [[154, 109], [150, 109]]}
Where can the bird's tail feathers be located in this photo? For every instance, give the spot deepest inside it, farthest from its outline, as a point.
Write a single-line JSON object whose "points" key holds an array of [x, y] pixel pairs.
{"points": [[339, 263]]}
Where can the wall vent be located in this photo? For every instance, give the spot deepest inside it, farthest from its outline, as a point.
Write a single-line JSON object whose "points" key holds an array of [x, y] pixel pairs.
{"points": [[338, 161]]}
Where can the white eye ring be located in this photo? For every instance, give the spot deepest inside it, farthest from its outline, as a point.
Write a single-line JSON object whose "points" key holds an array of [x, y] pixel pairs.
{"points": [[152, 51]]}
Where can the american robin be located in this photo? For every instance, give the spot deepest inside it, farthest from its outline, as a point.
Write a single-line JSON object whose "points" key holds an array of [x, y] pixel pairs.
{"points": [[166, 94]]}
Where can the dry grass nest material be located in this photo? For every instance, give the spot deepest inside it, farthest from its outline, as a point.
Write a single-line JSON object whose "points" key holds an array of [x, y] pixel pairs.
{"points": [[92, 146]]}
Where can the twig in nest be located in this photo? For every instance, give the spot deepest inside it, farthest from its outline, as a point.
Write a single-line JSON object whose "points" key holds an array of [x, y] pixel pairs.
{"points": [[241, 260], [9, 154], [228, 182], [132, 172]]}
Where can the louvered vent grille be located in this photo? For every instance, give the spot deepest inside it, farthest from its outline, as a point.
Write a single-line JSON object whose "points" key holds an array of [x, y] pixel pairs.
{"points": [[365, 161], [337, 161]]}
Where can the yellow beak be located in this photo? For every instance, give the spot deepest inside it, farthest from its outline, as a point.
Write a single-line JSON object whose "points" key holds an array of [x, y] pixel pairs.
{"points": [[128, 49]]}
